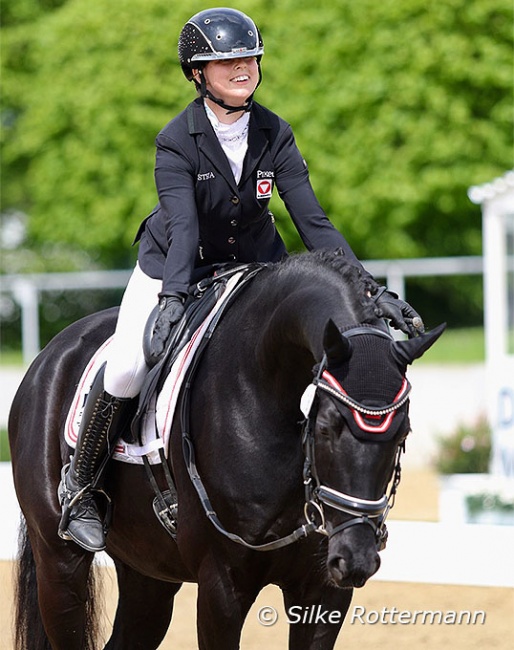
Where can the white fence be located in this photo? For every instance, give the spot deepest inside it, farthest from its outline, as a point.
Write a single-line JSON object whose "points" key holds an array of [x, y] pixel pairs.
{"points": [[27, 289]]}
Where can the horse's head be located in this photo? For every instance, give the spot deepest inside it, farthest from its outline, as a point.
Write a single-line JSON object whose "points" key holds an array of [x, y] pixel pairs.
{"points": [[357, 409]]}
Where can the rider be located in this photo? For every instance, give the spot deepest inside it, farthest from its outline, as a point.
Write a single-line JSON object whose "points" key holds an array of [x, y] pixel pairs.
{"points": [[216, 165]]}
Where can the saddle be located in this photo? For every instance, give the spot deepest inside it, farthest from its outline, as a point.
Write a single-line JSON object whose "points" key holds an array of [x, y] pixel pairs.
{"points": [[207, 301]]}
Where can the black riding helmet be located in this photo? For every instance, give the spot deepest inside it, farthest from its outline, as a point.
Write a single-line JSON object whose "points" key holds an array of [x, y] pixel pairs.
{"points": [[217, 34]]}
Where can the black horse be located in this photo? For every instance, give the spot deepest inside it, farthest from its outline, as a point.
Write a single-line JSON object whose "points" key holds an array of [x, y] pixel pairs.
{"points": [[300, 505]]}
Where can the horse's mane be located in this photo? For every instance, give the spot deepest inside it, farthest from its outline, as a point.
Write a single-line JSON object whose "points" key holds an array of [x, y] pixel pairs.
{"points": [[320, 265]]}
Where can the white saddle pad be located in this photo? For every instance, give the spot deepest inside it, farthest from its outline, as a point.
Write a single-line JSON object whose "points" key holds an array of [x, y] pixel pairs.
{"points": [[156, 424]]}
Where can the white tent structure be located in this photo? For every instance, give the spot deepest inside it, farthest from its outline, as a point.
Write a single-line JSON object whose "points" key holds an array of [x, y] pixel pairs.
{"points": [[497, 201]]}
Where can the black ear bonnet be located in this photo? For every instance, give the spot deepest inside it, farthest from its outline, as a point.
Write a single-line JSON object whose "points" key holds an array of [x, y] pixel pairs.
{"points": [[370, 377]]}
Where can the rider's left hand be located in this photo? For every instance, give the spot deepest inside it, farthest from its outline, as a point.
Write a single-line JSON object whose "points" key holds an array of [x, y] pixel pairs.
{"points": [[402, 316], [171, 310]]}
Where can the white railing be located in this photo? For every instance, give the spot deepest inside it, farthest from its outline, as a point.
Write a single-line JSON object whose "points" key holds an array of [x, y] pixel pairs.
{"points": [[27, 289]]}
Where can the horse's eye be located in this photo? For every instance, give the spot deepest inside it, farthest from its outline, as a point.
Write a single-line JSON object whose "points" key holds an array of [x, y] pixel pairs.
{"points": [[328, 422], [327, 426], [323, 429]]}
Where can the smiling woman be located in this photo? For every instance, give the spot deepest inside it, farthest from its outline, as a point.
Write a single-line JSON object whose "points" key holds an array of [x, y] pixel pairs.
{"points": [[226, 37], [231, 80]]}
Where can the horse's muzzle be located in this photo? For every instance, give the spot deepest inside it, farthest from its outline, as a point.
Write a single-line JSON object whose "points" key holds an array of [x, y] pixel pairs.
{"points": [[352, 557]]}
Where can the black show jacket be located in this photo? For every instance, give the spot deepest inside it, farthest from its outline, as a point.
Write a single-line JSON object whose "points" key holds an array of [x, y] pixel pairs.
{"points": [[205, 217]]}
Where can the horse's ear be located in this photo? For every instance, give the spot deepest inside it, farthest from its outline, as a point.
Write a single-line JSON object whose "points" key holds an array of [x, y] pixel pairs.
{"points": [[337, 347], [406, 351]]}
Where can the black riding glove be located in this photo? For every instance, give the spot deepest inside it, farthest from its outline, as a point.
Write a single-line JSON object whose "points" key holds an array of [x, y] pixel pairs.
{"points": [[171, 310], [402, 316]]}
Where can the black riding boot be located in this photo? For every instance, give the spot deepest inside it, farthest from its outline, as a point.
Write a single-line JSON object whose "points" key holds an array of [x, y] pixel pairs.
{"points": [[102, 423]]}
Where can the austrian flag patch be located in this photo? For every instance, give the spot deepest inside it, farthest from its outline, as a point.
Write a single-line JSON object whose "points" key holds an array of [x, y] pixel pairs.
{"points": [[264, 188]]}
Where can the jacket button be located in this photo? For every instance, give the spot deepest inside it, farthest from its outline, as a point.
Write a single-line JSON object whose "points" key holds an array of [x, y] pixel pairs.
{"points": [[234, 222], [235, 200], [232, 258], [231, 240]]}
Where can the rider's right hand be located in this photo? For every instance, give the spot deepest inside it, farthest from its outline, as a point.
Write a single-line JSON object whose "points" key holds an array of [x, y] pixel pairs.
{"points": [[171, 310]]}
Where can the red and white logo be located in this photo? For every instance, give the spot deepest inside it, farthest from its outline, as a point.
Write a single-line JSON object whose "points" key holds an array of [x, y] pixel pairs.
{"points": [[264, 188]]}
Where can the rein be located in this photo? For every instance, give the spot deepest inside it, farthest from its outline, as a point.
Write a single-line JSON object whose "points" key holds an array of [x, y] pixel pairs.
{"points": [[370, 512], [189, 450]]}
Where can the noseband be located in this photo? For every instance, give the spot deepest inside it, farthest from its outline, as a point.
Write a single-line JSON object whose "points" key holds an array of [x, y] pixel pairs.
{"points": [[370, 512]]}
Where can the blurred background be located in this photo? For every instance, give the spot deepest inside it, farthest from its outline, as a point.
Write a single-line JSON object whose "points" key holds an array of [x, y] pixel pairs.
{"points": [[398, 107]]}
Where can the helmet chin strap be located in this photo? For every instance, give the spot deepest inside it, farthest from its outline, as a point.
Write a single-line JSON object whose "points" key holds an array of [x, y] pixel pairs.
{"points": [[230, 109]]}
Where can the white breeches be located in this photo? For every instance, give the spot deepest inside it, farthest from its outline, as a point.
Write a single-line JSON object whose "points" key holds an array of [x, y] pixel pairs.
{"points": [[126, 368]]}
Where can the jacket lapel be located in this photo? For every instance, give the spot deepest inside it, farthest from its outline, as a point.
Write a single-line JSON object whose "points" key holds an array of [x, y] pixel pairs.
{"points": [[258, 142], [208, 143]]}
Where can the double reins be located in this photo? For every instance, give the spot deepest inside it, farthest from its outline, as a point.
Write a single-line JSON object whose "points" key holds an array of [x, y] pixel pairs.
{"points": [[369, 512]]}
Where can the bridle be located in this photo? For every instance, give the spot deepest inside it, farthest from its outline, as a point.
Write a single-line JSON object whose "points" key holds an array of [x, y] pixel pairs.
{"points": [[370, 512], [364, 511]]}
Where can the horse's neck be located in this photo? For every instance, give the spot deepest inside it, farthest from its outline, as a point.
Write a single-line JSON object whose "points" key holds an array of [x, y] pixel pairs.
{"points": [[292, 338]]}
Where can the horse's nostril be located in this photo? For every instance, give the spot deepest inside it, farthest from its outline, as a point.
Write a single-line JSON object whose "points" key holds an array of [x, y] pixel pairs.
{"points": [[350, 572], [337, 568]]}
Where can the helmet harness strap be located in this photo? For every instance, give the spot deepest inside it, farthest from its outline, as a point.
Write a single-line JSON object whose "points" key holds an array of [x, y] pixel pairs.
{"points": [[202, 86]]}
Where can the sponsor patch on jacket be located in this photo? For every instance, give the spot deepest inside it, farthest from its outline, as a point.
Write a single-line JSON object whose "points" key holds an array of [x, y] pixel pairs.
{"points": [[205, 177], [264, 188]]}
